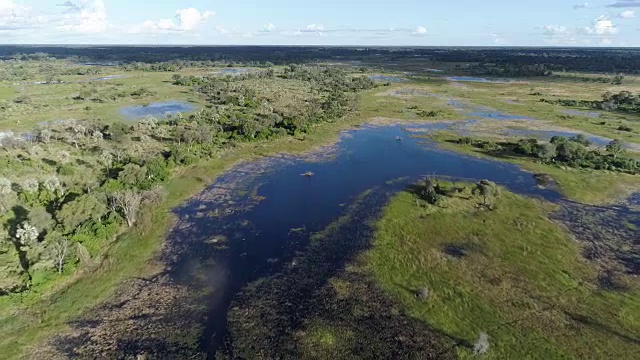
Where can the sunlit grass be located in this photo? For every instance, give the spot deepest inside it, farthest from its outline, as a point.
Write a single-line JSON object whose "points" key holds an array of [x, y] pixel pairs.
{"points": [[522, 280]]}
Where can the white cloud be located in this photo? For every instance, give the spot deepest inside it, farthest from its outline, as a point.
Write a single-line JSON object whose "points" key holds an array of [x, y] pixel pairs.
{"points": [[185, 20], [497, 39], [15, 16], [628, 14], [582, 6], [313, 28], [554, 30], [87, 16], [602, 26], [420, 30]]}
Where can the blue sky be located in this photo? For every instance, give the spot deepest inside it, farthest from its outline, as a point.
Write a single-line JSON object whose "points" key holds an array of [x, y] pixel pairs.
{"points": [[327, 22]]}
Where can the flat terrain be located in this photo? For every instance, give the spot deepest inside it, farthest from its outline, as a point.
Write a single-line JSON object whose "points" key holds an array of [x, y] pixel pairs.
{"points": [[553, 291], [533, 294]]}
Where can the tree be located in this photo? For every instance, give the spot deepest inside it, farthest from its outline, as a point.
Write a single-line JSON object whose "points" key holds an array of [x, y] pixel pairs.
{"points": [[133, 174], [615, 147], [128, 201], [30, 185], [28, 245], [60, 248], [76, 212], [5, 192], [107, 159], [547, 151], [557, 140], [581, 139], [40, 219], [487, 189], [571, 151]]}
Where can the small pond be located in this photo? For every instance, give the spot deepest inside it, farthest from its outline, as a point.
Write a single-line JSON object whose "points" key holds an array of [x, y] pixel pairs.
{"points": [[387, 78], [104, 78], [233, 71], [477, 79], [157, 109]]}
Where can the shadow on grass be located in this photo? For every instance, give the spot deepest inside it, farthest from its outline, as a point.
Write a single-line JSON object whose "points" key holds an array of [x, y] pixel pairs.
{"points": [[596, 325]]}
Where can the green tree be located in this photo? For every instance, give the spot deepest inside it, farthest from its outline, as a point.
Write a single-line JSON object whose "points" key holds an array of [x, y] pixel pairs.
{"points": [[487, 189], [557, 140], [40, 219], [133, 175], [80, 210], [615, 147], [571, 151], [581, 139], [547, 151]]}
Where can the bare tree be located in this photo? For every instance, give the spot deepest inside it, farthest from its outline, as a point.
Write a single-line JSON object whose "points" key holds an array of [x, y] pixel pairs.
{"points": [[5, 191], [128, 201], [107, 159], [60, 248]]}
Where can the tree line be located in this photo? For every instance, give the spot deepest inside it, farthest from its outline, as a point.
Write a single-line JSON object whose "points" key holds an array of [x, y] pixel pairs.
{"points": [[572, 152]]}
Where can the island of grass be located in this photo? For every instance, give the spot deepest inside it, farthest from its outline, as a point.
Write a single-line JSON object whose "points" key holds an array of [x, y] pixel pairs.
{"points": [[582, 173], [494, 272]]}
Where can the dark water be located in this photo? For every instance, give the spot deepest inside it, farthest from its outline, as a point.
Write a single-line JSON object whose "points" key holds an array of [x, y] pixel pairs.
{"points": [[253, 239], [244, 248], [159, 109]]}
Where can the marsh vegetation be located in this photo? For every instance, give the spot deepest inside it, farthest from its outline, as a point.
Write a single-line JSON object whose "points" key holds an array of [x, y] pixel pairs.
{"points": [[105, 234]]}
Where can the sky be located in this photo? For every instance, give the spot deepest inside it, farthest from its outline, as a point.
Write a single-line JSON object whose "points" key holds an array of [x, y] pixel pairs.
{"points": [[327, 22]]}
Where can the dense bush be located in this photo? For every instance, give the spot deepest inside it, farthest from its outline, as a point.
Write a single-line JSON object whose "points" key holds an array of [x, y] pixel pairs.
{"points": [[572, 152], [623, 101]]}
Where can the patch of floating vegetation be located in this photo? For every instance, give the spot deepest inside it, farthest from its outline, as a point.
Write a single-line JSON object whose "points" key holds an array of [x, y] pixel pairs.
{"points": [[157, 109]]}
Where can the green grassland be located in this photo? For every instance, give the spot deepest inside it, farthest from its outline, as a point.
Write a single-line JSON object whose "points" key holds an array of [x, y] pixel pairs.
{"points": [[532, 293]]}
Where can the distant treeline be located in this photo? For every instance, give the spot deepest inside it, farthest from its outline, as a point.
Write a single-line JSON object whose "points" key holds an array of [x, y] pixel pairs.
{"points": [[508, 62]]}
